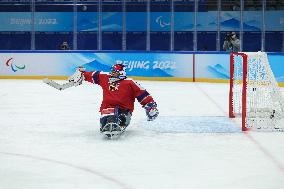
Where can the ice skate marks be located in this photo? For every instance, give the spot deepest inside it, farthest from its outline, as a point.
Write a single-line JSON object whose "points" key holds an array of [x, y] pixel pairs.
{"points": [[192, 124]]}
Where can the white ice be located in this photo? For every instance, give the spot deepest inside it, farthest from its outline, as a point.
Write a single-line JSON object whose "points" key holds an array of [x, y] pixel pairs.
{"points": [[49, 139]]}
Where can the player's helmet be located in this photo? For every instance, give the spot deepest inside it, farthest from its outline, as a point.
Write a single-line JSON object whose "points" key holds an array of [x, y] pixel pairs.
{"points": [[118, 72]]}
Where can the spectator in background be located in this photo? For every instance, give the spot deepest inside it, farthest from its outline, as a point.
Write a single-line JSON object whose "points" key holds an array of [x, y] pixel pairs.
{"points": [[236, 5], [231, 43], [64, 46]]}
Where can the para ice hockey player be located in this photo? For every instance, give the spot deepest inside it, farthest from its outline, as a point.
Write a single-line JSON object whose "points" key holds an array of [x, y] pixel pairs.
{"points": [[119, 94]]}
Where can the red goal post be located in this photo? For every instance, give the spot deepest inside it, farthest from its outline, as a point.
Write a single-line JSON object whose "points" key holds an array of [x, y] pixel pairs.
{"points": [[231, 104]]}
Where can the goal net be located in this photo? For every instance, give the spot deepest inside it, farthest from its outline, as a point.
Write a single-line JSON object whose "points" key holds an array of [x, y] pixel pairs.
{"points": [[254, 93]]}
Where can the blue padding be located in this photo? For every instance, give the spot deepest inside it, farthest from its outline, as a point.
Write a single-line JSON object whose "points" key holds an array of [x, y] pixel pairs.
{"points": [[112, 40], [96, 77], [160, 41], [142, 96], [136, 40]]}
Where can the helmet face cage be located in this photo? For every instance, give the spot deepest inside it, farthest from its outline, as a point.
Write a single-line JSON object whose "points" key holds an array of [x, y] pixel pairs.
{"points": [[118, 71]]}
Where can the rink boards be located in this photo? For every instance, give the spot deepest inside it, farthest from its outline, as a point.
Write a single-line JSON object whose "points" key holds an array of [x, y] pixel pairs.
{"points": [[189, 66]]}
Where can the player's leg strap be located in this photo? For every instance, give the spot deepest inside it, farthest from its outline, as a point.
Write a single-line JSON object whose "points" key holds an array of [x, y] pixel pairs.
{"points": [[124, 117]]}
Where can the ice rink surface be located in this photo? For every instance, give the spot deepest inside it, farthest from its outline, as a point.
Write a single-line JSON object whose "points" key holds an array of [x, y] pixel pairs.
{"points": [[50, 139]]}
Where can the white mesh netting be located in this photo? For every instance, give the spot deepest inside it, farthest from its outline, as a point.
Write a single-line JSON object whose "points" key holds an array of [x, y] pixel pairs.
{"points": [[264, 101]]}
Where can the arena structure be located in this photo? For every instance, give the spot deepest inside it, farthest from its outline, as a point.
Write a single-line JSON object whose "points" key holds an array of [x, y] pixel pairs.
{"points": [[141, 25]]}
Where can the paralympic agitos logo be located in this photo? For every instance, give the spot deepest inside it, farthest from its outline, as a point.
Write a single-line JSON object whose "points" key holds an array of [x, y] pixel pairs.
{"points": [[14, 67]]}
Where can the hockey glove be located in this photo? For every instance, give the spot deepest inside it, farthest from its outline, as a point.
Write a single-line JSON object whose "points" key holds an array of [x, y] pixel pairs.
{"points": [[78, 76], [151, 111]]}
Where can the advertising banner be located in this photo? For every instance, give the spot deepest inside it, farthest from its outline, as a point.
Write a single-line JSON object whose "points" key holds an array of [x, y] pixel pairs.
{"points": [[212, 66], [64, 64], [217, 66], [170, 66]]}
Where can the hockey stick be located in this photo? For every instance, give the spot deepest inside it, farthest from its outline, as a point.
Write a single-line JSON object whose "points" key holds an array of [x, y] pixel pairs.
{"points": [[57, 85]]}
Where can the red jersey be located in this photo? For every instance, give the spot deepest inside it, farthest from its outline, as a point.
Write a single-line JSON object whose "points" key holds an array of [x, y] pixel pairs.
{"points": [[123, 94]]}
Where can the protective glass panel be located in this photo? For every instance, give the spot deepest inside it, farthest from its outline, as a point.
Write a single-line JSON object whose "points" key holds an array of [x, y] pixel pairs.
{"points": [[53, 25], [15, 27], [87, 25]]}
